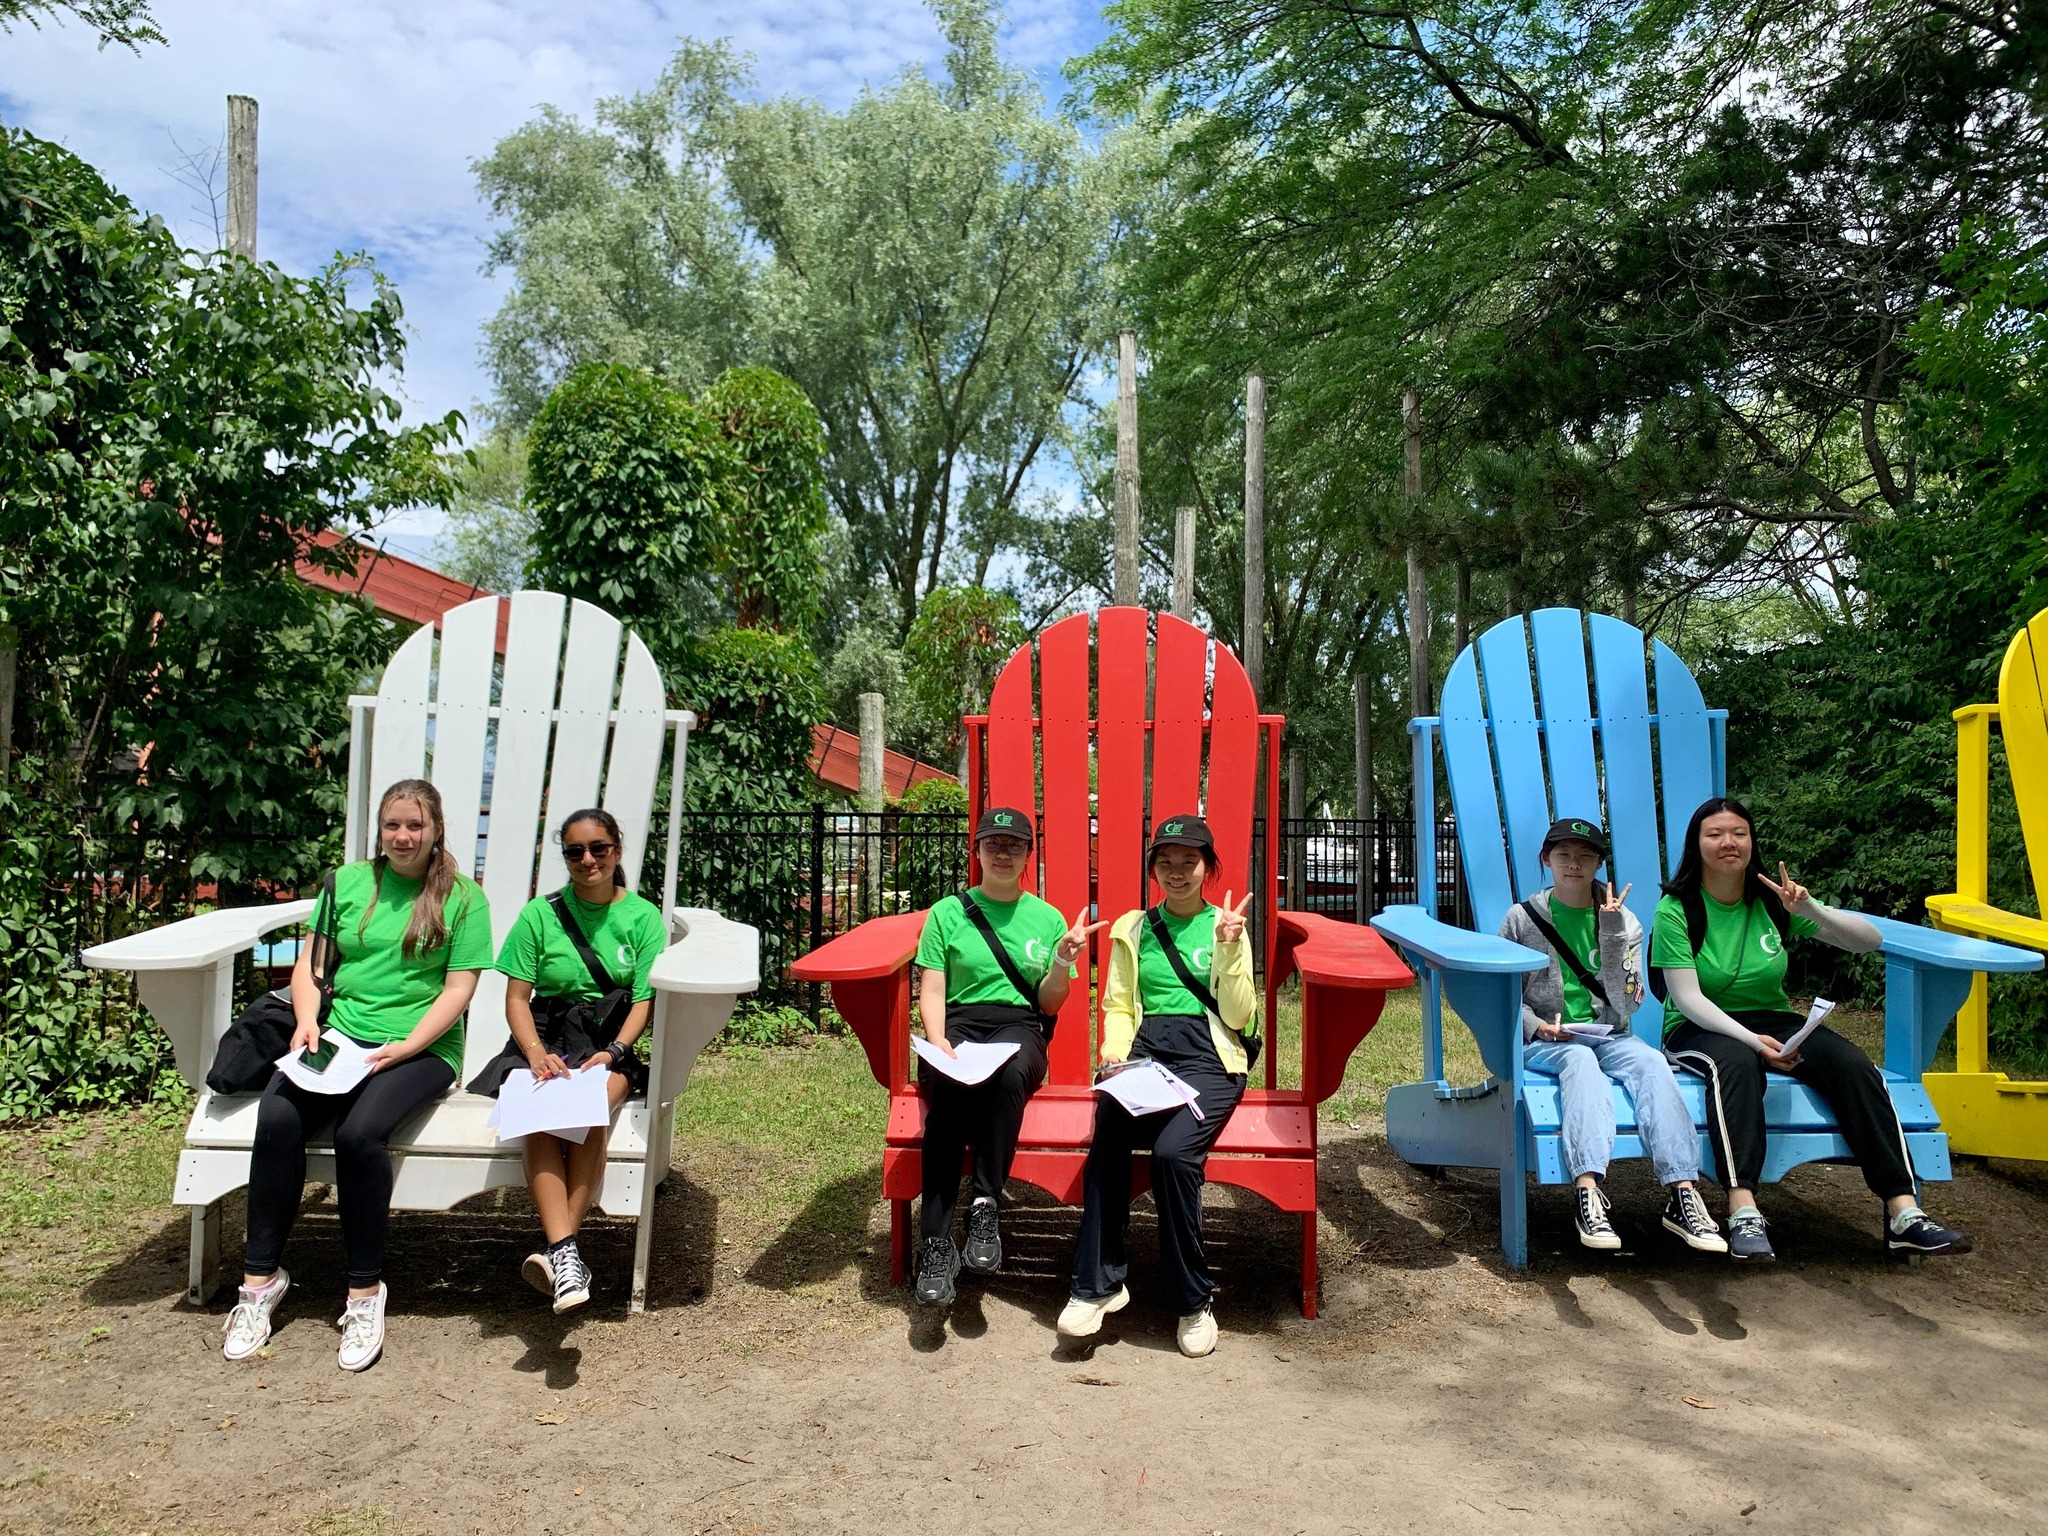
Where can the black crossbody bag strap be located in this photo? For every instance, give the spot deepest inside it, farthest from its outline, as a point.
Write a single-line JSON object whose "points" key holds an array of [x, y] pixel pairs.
{"points": [[1563, 950], [595, 966], [326, 957], [1178, 961], [1002, 955]]}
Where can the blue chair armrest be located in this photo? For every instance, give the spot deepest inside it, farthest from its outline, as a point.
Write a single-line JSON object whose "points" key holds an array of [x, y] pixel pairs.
{"points": [[1456, 949], [1950, 951]]}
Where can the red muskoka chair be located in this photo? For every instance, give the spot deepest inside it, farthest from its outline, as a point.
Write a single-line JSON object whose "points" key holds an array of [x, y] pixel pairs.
{"points": [[1270, 1144]]}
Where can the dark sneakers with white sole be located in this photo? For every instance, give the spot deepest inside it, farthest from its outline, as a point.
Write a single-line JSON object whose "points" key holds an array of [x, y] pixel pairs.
{"points": [[1590, 1218], [1685, 1216]]}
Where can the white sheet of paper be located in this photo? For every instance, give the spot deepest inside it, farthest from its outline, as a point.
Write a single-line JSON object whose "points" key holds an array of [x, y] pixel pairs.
{"points": [[972, 1062], [1147, 1088], [1820, 1010], [349, 1066], [1591, 1030], [563, 1105]]}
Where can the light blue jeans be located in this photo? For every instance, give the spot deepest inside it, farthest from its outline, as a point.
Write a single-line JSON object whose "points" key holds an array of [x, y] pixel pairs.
{"points": [[1586, 1107]]}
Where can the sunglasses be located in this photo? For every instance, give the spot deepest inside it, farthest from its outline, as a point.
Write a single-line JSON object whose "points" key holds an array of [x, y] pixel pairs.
{"points": [[574, 852]]}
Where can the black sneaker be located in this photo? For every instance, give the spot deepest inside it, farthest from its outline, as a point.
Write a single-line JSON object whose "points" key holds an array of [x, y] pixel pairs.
{"points": [[1922, 1234], [935, 1272], [1595, 1231], [984, 1237], [1685, 1214], [1746, 1238]]}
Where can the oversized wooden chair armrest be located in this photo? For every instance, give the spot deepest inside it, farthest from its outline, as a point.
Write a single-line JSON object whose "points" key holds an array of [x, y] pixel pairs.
{"points": [[185, 973], [1482, 979], [698, 981], [1346, 972], [1927, 975], [869, 973]]}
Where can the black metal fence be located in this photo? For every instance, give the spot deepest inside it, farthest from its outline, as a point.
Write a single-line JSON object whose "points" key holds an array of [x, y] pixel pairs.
{"points": [[802, 877]]}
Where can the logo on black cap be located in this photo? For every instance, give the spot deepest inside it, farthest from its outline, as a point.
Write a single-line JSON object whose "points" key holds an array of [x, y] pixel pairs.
{"points": [[1004, 819], [1583, 830], [1171, 829]]}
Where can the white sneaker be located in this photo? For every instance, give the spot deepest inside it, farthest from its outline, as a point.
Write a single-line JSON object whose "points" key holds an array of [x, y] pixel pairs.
{"points": [[248, 1325], [1197, 1334], [362, 1330], [539, 1273], [1081, 1317]]}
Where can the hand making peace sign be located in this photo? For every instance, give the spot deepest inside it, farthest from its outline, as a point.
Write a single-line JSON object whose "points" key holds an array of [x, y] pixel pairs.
{"points": [[1794, 895], [1075, 939], [1615, 899], [1230, 919]]}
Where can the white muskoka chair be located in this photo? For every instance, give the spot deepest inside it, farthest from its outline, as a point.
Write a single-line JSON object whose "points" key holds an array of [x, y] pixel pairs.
{"points": [[580, 720]]}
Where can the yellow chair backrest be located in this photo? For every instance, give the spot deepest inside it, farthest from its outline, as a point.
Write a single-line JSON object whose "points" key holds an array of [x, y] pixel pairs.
{"points": [[2023, 718]]}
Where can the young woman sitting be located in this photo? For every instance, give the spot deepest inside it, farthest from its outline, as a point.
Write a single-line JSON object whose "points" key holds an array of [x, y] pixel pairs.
{"points": [[997, 964], [1191, 1009], [1726, 1016], [576, 1007], [414, 933], [1575, 1025]]}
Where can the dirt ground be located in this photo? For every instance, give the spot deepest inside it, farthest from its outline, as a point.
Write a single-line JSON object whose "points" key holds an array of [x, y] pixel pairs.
{"points": [[785, 1388]]}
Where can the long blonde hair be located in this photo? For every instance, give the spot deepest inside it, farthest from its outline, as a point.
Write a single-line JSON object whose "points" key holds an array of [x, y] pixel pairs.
{"points": [[428, 929]]}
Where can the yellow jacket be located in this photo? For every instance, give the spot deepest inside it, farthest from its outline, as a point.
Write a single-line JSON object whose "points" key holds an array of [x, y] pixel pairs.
{"points": [[1230, 978]]}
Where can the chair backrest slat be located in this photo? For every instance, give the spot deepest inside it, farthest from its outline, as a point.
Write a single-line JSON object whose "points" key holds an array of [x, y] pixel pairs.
{"points": [[590, 676], [1517, 750], [1621, 682], [1475, 795], [1559, 642], [2023, 722], [1121, 665], [462, 720], [1181, 682], [1094, 677], [398, 750], [636, 758], [1685, 749]]}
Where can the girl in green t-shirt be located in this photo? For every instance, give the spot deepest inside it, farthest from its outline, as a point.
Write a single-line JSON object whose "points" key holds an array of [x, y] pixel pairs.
{"points": [[970, 993], [1726, 1017], [1150, 1012], [414, 933], [566, 1019]]}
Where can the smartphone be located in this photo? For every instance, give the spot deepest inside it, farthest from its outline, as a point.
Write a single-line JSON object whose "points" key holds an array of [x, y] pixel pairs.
{"points": [[316, 1060]]}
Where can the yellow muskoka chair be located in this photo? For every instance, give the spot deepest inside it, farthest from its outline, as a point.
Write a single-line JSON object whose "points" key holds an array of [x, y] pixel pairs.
{"points": [[1986, 1112]]}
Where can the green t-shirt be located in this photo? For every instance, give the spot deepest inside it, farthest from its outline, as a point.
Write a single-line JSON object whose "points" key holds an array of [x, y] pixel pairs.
{"points": [[1579, 927], [1029, 928], [1159, 988], [1741, 962], [626, 934], [380, 993]]}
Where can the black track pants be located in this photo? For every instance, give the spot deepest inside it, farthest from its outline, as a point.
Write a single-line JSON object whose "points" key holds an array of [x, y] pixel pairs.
{"points": [[986, 1117], [1834, 1067], [1179, 1144], [363, 1120]]}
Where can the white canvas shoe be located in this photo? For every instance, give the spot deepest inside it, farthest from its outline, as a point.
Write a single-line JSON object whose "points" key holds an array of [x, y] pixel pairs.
{"points": [[1081, 1317], [362, 1330], [248, 1326], [1197, 1334]]}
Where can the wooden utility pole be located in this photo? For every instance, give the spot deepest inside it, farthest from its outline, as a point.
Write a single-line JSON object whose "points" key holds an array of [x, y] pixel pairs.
{"points": [[242, 176], [1255, 531], [872, 789], [1184, 562], [1124, 585], [1418, 582]]}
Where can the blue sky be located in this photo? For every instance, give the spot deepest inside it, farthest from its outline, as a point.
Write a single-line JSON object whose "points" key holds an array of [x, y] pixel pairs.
{"points": [[372, 111]]}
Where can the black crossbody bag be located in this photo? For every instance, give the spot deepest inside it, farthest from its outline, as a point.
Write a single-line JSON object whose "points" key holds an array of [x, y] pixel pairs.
{"points": [[1200, 989], [597, 1021], [1007, 961], [249, 1050], [1563, 951]]}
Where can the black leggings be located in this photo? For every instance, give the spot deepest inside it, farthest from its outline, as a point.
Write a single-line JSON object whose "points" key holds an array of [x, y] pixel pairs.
{"points": [[1830, 1065], [363, 1120], [987, 1116]]}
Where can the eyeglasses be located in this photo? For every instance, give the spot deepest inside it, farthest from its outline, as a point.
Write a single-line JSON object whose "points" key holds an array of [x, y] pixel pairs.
{"points": [[574, 852], [1015, 846]]}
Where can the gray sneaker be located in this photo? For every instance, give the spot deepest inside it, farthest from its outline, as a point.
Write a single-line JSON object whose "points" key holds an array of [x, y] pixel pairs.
{"points": [[1746, 1238], [935, 1272], [984, 1237]]}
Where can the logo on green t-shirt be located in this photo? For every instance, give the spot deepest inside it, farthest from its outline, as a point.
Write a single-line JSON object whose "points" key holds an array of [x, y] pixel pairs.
{"points": [[1769, 940]]}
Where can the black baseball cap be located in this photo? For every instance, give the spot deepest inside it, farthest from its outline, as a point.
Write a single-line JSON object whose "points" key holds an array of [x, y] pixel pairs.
{"points": [[1181, 832], [1574, 829], [1003, 821]]}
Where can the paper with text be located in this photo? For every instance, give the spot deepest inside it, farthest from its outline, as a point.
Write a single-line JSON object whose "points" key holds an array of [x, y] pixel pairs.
{"points": [[563, 1105], [972, 1061], [1820, 1010], [349, 1066], [1147, 1088]]}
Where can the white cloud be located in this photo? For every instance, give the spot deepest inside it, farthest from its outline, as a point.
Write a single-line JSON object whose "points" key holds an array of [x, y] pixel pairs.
{"points": [[373, 111]]}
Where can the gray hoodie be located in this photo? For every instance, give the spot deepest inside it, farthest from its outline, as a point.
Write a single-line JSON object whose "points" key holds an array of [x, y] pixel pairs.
{"points": [[1621, 966]]}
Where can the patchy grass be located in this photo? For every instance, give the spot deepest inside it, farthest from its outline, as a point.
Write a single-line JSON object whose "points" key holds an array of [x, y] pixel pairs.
{"points": [[74, 1192]]}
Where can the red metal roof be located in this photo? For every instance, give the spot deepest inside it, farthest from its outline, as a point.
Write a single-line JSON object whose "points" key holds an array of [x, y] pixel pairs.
{"points": [[835, 760]]}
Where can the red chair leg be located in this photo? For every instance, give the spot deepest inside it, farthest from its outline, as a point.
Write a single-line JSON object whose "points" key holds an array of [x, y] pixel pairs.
{"points": [[1308, 1264], [899, 1241]]}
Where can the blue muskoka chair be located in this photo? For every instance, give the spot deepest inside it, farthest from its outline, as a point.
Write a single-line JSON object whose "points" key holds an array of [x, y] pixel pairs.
{"points": [[1513, 765]]}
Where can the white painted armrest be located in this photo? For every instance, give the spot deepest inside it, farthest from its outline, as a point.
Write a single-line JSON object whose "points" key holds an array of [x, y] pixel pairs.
{"points": [[193, 943], [711, 955]]}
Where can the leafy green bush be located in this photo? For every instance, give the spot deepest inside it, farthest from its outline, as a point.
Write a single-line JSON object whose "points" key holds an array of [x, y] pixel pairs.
{"points": [[775, 512], [766, 1024]]}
